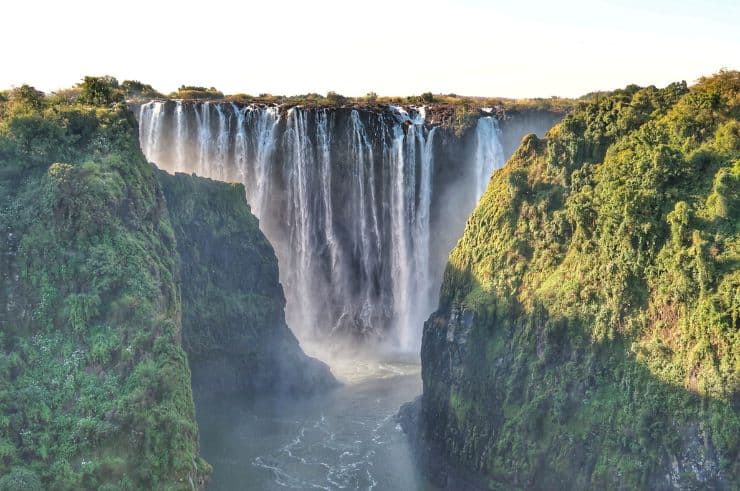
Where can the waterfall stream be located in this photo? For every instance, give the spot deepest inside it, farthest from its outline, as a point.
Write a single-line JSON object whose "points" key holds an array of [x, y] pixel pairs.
{"points": [[348, 198]]}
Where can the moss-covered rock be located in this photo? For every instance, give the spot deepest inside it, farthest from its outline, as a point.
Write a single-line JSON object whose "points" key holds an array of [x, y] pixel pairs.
{"points": [[95, 387], [94, 384], [233, 312], [587, 335]]}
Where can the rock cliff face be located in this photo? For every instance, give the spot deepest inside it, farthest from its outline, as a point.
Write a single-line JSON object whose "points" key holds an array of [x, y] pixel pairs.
{"points": [[586, 336], [233, 307]]}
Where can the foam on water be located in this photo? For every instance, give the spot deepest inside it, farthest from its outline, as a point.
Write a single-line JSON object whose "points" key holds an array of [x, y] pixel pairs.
{"points": [[346, 439]]}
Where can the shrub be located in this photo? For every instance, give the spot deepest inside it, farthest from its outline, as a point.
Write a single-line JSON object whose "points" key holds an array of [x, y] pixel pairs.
{"points": [[20, 479]]}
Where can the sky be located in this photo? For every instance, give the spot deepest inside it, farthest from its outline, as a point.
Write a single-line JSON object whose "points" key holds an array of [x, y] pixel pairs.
{"points": [[509, 48]]}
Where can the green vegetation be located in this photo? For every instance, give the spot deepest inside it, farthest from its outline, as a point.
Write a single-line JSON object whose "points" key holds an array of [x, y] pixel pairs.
{"points": [[212, 221], [94, 385], [602, 268], [133, 89], [195, 92], [100, 91], [233, 313]]}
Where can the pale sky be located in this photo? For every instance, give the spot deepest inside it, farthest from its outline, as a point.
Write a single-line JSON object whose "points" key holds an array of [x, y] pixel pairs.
{"points": [[511, 48]]}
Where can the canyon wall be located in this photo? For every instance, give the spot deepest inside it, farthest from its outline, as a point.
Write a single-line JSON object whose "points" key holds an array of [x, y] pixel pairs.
{"points": [[115, 279], [233, 307]]}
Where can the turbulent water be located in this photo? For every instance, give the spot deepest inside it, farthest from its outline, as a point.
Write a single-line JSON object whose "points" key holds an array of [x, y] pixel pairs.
{"points": [[346, 439], [347, 197]]}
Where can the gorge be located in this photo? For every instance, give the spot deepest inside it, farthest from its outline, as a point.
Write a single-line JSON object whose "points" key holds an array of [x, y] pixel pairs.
{"points": [[567, 274], [362, 205], [418, 245]]}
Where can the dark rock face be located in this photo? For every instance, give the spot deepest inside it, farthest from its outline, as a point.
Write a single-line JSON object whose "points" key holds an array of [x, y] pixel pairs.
{"points": [[438, 468], [455, 424], [430, 427], [234, 329]]}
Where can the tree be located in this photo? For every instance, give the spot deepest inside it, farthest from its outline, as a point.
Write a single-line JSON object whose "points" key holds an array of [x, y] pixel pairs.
{"points": [[25, 94], [100, 91], [335, 98]]}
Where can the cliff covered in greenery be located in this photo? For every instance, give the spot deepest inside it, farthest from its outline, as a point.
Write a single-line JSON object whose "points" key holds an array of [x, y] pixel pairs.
{"points": [[94, 384], [587, 334], [105, 294], [233, 307]]}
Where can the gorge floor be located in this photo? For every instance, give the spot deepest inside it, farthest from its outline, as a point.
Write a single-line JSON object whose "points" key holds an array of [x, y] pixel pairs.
{"points": [[345, 439]]}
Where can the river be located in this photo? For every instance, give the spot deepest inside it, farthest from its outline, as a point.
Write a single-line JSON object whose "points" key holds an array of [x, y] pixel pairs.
{"points": [[346, 439]]}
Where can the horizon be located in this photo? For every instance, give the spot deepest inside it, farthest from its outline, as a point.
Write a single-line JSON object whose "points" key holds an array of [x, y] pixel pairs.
{"points": [[474, 48], [170, 94]]}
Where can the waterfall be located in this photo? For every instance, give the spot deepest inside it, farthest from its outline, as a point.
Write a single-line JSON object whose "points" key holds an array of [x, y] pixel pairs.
{"points": [[489, 154], [347, 198], [150, 117], [426, 301]]}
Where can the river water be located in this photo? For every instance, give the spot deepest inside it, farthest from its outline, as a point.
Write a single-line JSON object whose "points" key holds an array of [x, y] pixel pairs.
{"points": [[346, 439]]}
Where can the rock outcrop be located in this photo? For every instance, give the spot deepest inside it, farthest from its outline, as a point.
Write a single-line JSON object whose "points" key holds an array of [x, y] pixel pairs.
{"points": [[233, 307]]}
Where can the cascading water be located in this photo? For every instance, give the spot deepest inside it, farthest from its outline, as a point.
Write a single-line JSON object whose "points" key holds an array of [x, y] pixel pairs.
{"points": [[489, 153], [347, 197]]}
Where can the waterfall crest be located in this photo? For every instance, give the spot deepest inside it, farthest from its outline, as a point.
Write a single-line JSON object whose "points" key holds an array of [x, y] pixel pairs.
{"points": [[347, 197]]}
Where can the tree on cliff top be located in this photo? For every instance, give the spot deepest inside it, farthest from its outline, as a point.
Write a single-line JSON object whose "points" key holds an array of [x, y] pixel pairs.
{"points": [[100, 91]]}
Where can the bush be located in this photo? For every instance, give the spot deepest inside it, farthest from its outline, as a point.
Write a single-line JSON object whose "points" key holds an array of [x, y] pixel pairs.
{"points": [[29, 96], [134, 88], [336, 99], [20, 479], [197, 92]]}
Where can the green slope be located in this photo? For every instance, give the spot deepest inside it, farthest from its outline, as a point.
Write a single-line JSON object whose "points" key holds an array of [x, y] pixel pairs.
{"points": [[587, 334], [94, 384]]}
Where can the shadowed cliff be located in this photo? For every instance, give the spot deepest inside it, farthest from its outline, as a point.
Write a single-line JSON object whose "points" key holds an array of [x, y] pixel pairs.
{"points": [[233, 313]]}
